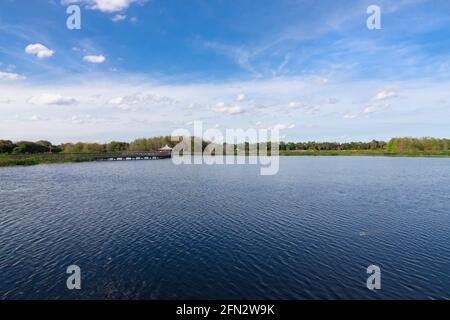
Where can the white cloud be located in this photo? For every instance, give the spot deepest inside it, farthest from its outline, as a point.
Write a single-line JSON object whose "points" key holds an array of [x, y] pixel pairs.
{"points": [[141, 101], [296, 105], [39, 50], [221, 107], [94, 59], [34, 118], [350, 116], [76, 120], [9, 76], [281, 126], [51, 99], [104, 5], [119, 17], [6, 100], [376, 107], [121, 104], [111, 5], [164, 106], [118, 100], [240, 97], [384, 95], [85, 119], [331, 101]]}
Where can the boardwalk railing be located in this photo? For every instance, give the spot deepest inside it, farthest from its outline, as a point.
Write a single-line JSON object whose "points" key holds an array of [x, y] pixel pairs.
{"points": [[134, 155], [141, 155]]}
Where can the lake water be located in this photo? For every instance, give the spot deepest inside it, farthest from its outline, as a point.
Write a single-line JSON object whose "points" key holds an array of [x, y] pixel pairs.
{"points": [[153, 230]]}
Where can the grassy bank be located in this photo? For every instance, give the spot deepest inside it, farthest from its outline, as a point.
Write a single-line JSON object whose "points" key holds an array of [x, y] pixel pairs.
{"points": [[381, 153], [29, 160]]}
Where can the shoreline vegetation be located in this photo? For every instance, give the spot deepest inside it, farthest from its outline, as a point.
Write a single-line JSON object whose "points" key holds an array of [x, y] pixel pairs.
{"points": [[26, 153]]}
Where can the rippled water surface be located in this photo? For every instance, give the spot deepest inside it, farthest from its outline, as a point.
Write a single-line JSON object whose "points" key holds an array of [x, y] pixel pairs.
{"points": [[153, 230]]}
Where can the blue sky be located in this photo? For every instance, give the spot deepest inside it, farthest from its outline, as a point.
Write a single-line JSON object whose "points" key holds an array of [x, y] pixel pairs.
{"points": [[144, 68]]}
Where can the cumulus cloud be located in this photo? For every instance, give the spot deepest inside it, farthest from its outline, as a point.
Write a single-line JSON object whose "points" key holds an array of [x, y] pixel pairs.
{"points": [[296, 105], [331, 101], [52, 99], [221, 107], [94, 59], [118, 100], [120, 103], [140, 100], [282, 126], [9, 76], [384, 95], [39, 50], [76, 120], [104, 5], [350, 116], [83, 119], [166, 106], [35, 118], [111, 5], [119, 17], [240, 97], [375, 107], [378, 103]]}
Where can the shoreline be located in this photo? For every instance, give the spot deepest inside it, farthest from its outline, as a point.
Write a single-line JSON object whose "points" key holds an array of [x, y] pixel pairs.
{"points": [[31, 160], [374, 153]]}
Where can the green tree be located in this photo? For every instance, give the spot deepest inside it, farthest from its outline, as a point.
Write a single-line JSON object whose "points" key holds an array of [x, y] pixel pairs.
{"points": [[115, 146], [27, 147], [6, 146]]}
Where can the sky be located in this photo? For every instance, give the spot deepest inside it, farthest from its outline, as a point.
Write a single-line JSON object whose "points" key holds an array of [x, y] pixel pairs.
{"points": [[143, 68]]}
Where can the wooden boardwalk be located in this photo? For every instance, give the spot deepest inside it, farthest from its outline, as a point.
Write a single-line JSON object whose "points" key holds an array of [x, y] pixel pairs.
{"points": [[133, 156], [110, 156]]}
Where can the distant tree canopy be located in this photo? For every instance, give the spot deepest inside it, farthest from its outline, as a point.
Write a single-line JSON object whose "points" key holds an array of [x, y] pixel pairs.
{"points": [[395, 145], [6, 146], [144, 144], [115, 146], [374, 144], [414, 145], [30, 147], [81, 147], [150, 144]]}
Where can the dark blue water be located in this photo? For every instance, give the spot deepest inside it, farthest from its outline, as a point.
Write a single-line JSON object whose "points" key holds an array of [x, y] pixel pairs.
{"points": [[153, 230]]}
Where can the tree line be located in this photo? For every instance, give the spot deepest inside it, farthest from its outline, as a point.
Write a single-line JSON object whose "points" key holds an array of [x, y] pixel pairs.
{"points": [[42, 146], [395, 145], [418, 145]]}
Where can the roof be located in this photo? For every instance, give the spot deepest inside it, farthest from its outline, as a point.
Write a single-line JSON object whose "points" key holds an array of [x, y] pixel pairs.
{"points": [[166, 148]]}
